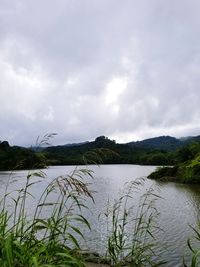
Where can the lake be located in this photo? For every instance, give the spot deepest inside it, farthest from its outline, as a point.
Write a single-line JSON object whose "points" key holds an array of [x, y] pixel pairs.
{"points": [[178, 208]]}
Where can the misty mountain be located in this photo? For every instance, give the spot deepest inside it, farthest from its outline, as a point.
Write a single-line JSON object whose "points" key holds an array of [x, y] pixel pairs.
{"points": [[161, 142], [76, 144], [162, 150], [167, 143]]}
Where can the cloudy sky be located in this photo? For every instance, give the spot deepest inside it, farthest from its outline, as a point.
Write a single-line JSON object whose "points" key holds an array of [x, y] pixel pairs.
{"points": [[127, 69]]}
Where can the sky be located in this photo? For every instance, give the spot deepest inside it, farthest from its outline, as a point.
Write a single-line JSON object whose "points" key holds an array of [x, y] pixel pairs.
{"points": [[126, 69]]}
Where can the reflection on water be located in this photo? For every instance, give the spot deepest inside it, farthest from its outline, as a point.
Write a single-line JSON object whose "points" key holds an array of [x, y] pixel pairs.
{"points": [[179, 206]]}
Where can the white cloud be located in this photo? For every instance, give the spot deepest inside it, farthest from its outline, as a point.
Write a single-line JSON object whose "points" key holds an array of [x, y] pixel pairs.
{"points": [[126, 69], [114, 89]]}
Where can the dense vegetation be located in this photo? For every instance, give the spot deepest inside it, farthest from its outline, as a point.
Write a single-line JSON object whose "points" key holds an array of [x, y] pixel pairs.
{"points": [[123, 153], [164, 150], [187, 166], [19, 158]]}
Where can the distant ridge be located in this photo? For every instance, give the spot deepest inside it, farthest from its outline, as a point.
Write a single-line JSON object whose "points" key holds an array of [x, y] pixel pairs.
{"points": [[164, 142], [160, 142], [76, 144], [190, 139], [162, 150]]}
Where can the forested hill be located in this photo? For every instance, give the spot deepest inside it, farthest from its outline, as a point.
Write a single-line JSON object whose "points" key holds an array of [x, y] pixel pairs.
{"points": [[155, 151], [165, 142], [161, 142], [17, 158], [186, 168], [163, 150]]}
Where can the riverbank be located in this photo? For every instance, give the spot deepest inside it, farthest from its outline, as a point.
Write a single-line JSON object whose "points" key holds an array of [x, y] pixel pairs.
{"points": [[187, 172]]}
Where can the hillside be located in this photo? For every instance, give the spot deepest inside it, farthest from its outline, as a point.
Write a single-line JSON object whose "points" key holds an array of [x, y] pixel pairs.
{"points": [[101, 147], [161, 142], [163, 150], [122, 153], [17, 158], [186, 169], [153, 151]]}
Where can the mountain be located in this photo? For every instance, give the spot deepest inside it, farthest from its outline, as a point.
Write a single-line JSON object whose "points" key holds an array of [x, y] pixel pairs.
{"points": [[15, 157], [167, 143], [190, 139], [161, 142], [110, 151], [162, 150], [76, 144]]}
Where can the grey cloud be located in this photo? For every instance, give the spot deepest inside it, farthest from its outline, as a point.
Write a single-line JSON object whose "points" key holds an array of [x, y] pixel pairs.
{"points": [[57, 59]]}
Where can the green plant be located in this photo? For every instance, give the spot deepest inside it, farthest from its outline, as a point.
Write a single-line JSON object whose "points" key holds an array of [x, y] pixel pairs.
{"points": [[195, 262], [131, 240], [45, 238]]}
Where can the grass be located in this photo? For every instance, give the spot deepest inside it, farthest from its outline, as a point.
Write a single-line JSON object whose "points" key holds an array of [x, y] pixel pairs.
{"points": [[130, 235], [195, 250], [44, 240]]}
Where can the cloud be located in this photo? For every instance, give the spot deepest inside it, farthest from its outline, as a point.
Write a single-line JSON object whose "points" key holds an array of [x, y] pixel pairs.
{"points": [[127, 69]]}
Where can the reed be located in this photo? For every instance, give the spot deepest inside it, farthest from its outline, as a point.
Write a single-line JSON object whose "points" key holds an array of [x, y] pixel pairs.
{"points": [[130, 235], [193, 245], [49, 240]]}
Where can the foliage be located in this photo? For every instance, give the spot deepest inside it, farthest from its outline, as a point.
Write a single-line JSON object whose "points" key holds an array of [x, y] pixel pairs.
{"points": [[190, 171], [44, 240], [186, 169], [15, 158], [124, 154], [164, 173], [195, 250], [166, 143], [164, 150], [74, 154], [131, 240]]}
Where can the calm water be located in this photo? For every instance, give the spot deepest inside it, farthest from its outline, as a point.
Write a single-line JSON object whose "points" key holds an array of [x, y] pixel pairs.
{"points": [[179, 206]]}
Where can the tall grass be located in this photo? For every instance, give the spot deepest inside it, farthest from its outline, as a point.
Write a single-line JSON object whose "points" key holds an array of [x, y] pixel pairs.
{"points": [[44, 238], [130, 239], [194, 244]]}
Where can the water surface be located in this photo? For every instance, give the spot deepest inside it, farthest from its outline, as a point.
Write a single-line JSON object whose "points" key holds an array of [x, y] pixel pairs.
{"points": [[178, 207]]}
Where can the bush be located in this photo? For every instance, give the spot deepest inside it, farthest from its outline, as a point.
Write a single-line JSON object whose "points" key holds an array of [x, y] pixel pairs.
{"points": [[164, 172]]}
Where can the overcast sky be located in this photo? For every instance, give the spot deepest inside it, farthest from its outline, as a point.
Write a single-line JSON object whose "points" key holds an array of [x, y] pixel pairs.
{"points": [[127, 69]]}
